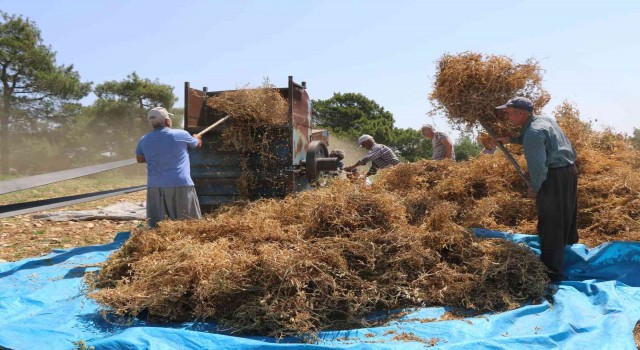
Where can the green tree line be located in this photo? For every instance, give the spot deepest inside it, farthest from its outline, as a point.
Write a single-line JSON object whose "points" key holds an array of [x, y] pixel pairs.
{"points": [[636, 138], [350, 115], [44, 127]]}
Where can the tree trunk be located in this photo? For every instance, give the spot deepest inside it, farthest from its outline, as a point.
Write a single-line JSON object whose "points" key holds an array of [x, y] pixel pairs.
{"points": [[4, 135]]}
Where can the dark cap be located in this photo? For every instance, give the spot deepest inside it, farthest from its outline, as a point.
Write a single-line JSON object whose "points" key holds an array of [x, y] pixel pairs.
{"points": [[518, 103]]}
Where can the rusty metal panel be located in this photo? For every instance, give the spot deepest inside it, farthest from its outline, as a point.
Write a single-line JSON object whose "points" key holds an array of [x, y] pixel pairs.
{"points": [[216, 171], [320, 135], [195, 100], [301, 122]]}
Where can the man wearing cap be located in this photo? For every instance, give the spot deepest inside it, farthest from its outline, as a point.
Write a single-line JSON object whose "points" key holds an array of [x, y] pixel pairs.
{"points": [[380, 156], [440, 142], [170, 189], [554, 180]]}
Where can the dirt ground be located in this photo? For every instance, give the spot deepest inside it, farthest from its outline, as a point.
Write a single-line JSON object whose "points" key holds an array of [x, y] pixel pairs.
{"points": [[23, 237]]}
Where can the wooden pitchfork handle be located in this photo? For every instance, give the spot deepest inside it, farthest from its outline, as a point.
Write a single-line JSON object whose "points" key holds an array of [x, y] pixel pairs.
{"points": [[212, 126], [508, 154]]}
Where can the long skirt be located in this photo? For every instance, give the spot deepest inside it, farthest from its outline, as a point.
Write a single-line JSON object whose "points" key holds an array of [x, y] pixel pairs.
{"points": [[174, 203]]}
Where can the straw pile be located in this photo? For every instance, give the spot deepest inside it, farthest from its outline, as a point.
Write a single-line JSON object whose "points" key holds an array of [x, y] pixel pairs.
{"points": [[321, 260], [324, 259], [256, 117], [254, 106], [468, 86], [486, 140], [608, 182], [486, 192]]}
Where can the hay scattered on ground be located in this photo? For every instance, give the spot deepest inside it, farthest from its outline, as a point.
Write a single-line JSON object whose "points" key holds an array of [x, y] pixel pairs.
{"points": [[468, 86], [321, 260]]}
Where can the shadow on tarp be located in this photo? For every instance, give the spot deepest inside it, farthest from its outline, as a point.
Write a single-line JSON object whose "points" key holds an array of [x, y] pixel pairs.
{"points": [[105, 323], [43, 305]]}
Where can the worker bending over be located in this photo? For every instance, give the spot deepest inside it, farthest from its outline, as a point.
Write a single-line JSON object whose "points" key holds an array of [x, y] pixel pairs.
{"points": [[380, 156]]}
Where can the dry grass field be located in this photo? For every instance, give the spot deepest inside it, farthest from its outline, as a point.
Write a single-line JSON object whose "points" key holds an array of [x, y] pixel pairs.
{"points": [[23, 237]]}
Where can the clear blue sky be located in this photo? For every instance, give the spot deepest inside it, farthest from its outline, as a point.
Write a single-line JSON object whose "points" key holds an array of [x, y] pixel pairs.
{"points": [[385, 50]]}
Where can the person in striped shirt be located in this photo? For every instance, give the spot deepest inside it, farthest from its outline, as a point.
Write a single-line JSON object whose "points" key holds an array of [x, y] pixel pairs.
{"points": [[380, 156], [441, 144]]}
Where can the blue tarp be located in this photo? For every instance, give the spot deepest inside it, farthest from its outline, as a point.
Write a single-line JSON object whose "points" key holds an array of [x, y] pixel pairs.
{"points": [[43, 306]]}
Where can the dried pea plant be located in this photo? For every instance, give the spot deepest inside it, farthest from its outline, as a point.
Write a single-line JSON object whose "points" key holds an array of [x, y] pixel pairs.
{"points": [[468, 87], [322, 259], [258, 117]]}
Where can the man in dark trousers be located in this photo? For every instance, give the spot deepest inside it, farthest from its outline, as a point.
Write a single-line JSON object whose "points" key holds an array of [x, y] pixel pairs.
{"points": [[554, 180]]}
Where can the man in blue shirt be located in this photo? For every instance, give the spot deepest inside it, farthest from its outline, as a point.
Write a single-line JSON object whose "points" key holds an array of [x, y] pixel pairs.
{"points": [[170, 189], [554, 180]]}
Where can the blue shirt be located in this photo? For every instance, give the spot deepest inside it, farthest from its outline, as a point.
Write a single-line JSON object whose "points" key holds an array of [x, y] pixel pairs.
{"points": [[165, 151], [544, 146]]}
